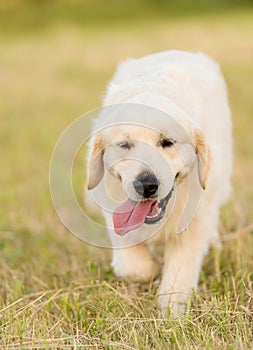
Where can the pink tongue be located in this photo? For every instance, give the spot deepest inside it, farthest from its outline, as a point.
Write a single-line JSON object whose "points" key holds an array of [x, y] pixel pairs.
{"points": [[130, 215]]}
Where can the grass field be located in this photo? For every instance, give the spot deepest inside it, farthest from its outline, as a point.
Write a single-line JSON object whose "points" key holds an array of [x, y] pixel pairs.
{"points": [[58, 292]]}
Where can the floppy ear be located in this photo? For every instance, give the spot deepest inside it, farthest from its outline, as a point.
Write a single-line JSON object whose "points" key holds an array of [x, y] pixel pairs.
{"points": [[95, 169], [204, 157]]}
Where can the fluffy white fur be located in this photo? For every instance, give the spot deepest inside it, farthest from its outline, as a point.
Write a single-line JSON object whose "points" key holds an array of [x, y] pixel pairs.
{"points": [[189, 88]]}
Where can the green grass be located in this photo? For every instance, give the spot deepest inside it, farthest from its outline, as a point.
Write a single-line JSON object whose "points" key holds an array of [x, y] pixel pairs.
{"points": [[57, 292]]}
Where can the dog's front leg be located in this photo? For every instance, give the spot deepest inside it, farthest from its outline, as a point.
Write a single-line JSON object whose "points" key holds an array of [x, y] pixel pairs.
{"points": [[182, 263], [135, 263]]}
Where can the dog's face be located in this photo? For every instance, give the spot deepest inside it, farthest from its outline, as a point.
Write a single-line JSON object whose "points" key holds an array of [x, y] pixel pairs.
{"points": [[149, 164]]}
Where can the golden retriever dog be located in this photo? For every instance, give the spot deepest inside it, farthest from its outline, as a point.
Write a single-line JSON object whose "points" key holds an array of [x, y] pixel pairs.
{"points": [[159, 166]]}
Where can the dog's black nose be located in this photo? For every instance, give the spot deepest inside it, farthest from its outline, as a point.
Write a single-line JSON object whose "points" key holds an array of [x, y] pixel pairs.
{"points": [[146, 186]]}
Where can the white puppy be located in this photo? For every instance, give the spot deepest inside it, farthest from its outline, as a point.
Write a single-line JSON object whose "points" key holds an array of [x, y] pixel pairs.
{"points": [[159, 164]]}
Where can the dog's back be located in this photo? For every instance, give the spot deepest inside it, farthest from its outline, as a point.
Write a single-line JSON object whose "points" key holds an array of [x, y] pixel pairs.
{"points": [[193, 81]]}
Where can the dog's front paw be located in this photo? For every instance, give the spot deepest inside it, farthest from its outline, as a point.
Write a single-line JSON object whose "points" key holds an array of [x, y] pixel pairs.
{"points": [[136, 267], [172, 305]]}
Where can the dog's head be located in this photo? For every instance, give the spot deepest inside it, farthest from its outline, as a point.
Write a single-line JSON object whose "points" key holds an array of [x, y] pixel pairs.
{"points": [[148, 163]]}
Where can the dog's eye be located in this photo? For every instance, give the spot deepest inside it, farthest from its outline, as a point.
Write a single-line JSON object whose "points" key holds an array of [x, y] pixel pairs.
{"points": [[166, 143], [124, 145]]}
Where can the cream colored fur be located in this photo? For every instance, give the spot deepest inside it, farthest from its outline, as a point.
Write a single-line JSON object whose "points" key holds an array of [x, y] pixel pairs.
{"points": [[188, 87]]}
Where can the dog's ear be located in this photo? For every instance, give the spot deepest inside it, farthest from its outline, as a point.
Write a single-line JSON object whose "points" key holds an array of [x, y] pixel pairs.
{"points": [[204, 157], [95, 169]]}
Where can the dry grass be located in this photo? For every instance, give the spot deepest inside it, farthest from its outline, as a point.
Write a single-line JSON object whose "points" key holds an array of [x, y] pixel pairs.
{"points": [[57, 293]]}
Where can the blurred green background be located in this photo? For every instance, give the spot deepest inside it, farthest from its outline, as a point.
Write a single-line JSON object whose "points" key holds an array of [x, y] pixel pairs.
{"points": [[56, 58]]}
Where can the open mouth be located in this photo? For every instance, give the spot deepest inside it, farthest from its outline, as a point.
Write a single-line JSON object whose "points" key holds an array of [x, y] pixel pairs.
{"points": [[158, 209], [132, 214]]}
